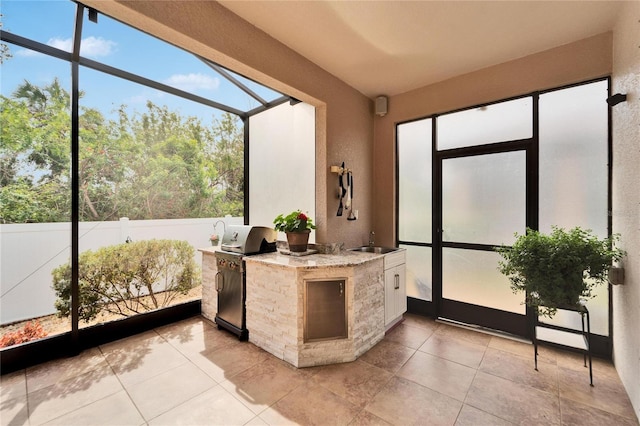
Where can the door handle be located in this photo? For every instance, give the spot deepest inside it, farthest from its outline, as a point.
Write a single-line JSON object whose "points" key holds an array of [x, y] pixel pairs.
{"points": [[341, 289], [219, 282], [397, 281]]}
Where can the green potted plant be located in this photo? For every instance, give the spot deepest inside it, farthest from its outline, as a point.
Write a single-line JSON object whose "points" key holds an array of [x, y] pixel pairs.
{"points": [[297, 226], [560, 269]]}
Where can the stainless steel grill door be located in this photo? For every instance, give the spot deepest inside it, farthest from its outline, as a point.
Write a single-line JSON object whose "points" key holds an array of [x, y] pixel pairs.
{"points": [[230, 293]]}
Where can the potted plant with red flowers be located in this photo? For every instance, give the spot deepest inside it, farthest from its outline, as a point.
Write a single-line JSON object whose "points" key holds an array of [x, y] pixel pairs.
{"points": [[297, 226]]}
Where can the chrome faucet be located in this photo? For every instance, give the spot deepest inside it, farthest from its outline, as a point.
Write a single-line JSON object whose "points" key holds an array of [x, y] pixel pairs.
{"points": [[372, 238], [224, 227]]}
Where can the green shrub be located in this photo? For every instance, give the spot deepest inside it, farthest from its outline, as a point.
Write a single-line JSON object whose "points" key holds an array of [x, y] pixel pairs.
{"points": [[127, 279], [557, 270]]}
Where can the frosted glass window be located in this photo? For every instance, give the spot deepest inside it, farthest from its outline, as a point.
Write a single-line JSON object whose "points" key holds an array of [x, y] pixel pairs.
{"points": [[419, 272], [574, 175], [573, 158], [414, 188], [501, 122], [483, 198], [472, 276], [282, 155]]}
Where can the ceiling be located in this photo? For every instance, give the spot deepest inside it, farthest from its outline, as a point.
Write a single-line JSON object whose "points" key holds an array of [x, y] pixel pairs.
{"points": [[391, 47]]}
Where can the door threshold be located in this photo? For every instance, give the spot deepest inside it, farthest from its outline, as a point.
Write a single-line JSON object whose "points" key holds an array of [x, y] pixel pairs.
{"points": [[481, 329]]}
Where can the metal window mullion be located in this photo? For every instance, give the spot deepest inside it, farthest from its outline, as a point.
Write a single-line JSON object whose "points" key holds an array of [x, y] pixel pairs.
{"points": [[246, 187], [75, 183], [34, 45], [217, 68], [156, 85], [269, 105], [436, 218]]}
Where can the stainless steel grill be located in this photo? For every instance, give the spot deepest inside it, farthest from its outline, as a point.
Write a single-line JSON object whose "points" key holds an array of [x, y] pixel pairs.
{"points": [[237, 243]]}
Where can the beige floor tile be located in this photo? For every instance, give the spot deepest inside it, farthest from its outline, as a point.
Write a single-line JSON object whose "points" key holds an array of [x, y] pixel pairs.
{"points": [[169, 389], [64, 397], [524, 349], [256, 421], [607, 394], [366, 418], [13, 385], [460, 351], [575, 413], [213, 407], [14, 411], [171, 373], [223, 363], [196, 336], [52, 372], [471, 416], [402, 402], [263, 384], [575, 361], [521, 370], [357, 381], [141, 357], [117, 409], [461, 333], [420, 321], [387, 355], [411, 337], [512, 401], [438, 374], [310, 404]]}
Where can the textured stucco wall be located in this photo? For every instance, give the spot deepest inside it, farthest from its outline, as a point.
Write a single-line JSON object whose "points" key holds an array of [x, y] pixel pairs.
{"points": [[626, 197]]}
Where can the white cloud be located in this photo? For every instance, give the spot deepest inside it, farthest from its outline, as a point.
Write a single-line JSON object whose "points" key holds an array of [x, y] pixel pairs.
{"points": [[27, 53], [62, 44], [91, 47], [192, 82], [94, 47]]}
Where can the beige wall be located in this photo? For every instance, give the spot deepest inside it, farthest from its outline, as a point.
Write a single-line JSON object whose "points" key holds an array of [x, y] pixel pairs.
{"points": [[585, 59], [344, 118], [626, 198]]}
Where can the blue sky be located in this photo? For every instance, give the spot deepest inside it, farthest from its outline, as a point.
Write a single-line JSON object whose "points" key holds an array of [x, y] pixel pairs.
{"points": [[115, 44]]}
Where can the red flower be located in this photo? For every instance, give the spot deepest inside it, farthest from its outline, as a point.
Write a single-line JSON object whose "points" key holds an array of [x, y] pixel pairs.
{"points": [[302, 216]]}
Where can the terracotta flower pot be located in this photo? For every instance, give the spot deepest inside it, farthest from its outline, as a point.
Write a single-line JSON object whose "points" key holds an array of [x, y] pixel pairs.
{"points": [[298, 241]]}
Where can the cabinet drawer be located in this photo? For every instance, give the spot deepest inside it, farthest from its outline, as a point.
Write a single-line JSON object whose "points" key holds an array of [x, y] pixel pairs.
{"points": [[394, 259]]}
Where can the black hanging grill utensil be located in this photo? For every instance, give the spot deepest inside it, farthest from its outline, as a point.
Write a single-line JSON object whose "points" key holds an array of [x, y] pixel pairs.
{"points": [[350, 179], [342, 191]]}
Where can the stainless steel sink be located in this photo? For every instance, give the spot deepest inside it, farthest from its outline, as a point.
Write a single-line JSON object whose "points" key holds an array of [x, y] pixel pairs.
{"points": [[374, 249]]}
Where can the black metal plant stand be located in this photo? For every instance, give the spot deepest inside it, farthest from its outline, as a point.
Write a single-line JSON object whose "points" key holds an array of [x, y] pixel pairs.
{"points": [[586, 334]]}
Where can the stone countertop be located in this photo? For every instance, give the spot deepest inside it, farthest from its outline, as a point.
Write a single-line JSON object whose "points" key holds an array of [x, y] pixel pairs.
{"points": [[209, 250], [318, 260]]}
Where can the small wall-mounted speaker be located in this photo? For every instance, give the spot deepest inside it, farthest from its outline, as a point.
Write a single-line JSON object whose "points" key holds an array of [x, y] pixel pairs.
{"points": [[382, 103]]}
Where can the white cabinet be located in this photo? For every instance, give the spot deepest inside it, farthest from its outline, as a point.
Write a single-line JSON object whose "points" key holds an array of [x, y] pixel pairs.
{"points": [[395, 288]]}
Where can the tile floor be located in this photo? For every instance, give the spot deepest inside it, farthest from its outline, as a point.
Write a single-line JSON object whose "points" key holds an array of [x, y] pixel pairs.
{"points": [[423, 372]]}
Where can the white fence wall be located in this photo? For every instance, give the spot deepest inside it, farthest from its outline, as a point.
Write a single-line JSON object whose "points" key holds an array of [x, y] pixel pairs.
{"points": [[29, 252]]}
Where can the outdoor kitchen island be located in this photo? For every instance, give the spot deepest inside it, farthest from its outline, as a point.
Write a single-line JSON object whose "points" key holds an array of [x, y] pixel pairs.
{"points": [[310, 310]]}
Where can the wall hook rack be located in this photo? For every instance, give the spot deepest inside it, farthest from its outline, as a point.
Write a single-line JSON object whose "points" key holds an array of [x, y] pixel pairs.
{"points": [[339, 170]]}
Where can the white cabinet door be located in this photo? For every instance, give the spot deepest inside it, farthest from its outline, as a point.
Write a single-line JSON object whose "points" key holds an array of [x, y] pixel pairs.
{"points": [[395, 293], [401, 292], [389, 296]]}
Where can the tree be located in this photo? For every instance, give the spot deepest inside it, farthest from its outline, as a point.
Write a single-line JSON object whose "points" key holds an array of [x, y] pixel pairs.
{"points": [[154, 164]]}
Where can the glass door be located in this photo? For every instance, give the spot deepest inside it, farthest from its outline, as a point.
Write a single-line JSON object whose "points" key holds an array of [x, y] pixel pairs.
{"points": [[483, 204]]}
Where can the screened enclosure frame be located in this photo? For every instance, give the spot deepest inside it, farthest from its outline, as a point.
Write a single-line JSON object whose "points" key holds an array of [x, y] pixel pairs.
{"points": [[75, 340], [531, 146]]}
